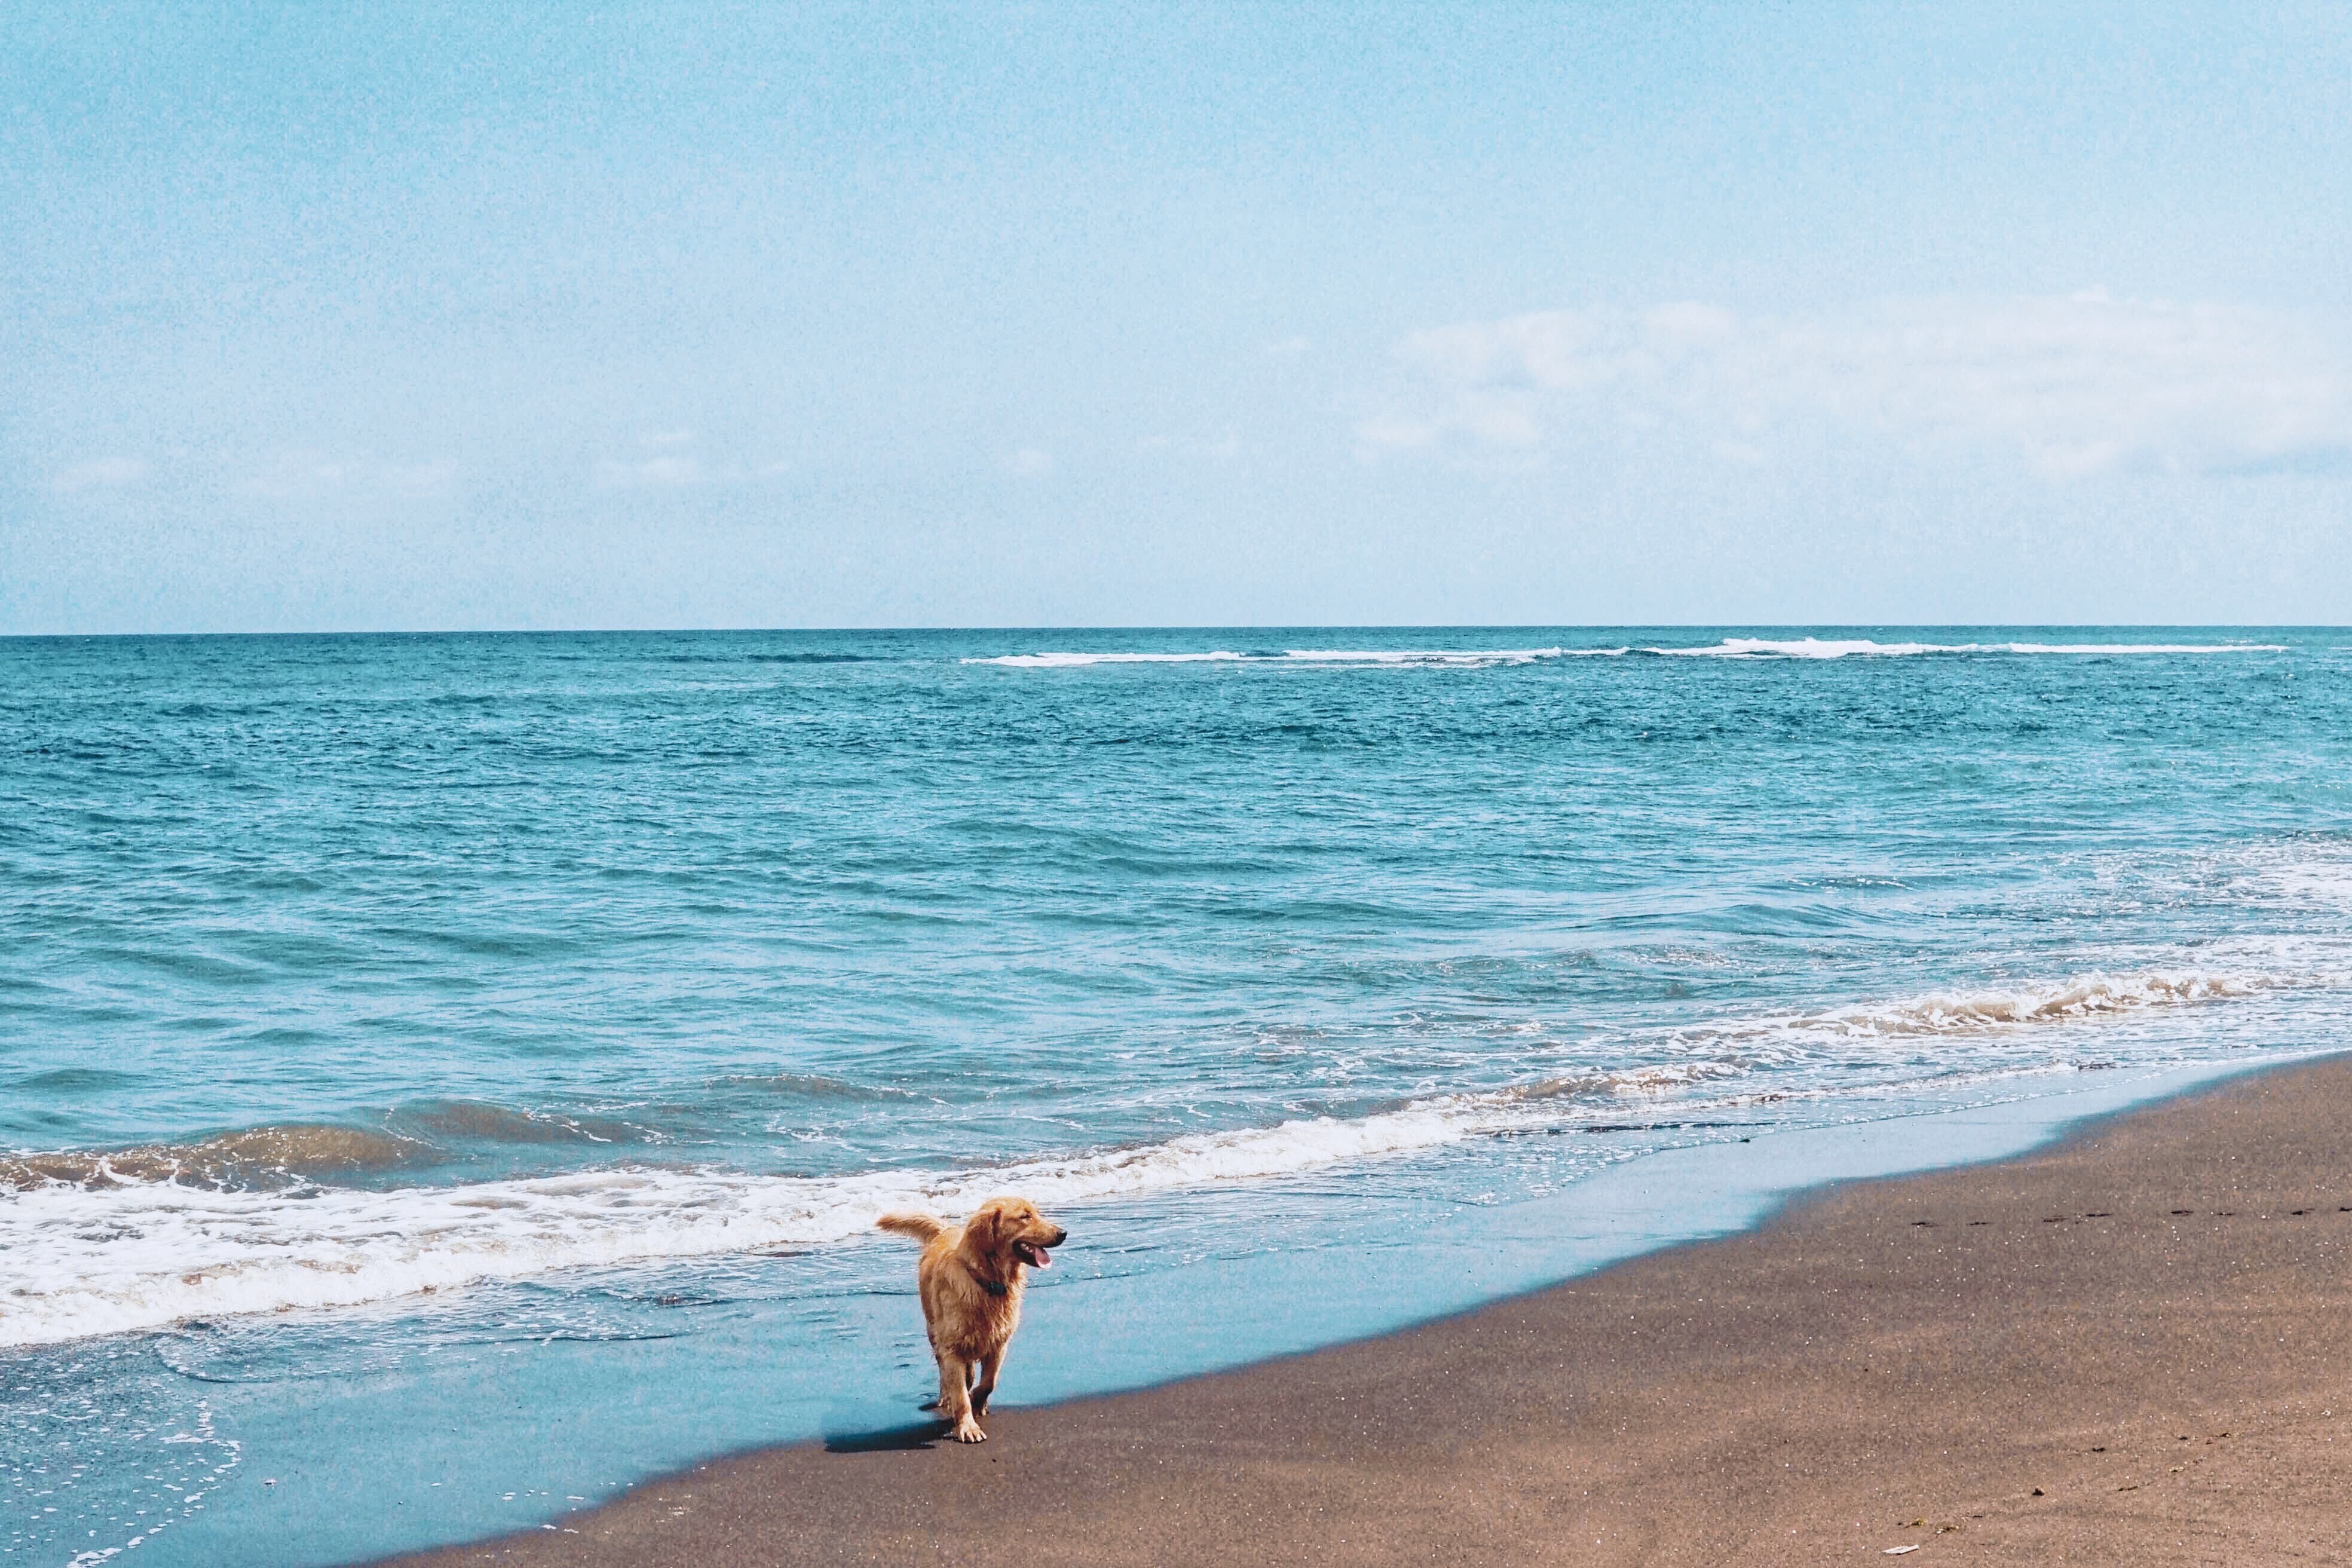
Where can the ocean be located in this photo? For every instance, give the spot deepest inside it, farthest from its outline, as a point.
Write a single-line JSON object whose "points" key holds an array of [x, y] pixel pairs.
{"points": [[446, 1080]]}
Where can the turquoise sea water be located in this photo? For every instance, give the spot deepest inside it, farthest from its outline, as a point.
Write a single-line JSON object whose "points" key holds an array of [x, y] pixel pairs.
{"points": [[445, 1078]]}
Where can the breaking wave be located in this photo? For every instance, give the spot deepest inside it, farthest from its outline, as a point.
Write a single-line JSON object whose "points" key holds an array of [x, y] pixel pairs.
{"points": [[106, 1243], [126, 1255], [1466, 657]]}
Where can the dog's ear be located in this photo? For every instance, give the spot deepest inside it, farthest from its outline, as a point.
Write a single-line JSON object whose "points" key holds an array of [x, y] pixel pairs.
{"points": [[979, 1230]]}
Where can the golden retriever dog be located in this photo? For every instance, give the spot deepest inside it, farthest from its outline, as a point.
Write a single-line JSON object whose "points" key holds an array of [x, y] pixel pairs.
{"points": [[971, 1276]]}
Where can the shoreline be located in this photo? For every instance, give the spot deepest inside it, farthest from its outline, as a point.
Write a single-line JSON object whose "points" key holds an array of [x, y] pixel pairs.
{"points": [[2131, 1343]]}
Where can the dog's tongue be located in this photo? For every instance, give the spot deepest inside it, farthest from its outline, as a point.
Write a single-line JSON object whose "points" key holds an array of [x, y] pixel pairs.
{"points": [[1035, 1255]]}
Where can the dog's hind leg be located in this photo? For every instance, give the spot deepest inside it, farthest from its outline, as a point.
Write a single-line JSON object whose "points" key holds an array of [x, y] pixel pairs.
{"points": [[955, 1403]]}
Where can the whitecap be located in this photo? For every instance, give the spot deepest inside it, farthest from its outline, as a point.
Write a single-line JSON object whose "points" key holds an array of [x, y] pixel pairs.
{"points": [[1469, 657], [1817, 647], [1078, 660]]}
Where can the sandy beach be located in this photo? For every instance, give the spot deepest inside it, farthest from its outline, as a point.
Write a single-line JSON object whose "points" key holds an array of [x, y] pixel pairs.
{"points": [[2133, 1347]]}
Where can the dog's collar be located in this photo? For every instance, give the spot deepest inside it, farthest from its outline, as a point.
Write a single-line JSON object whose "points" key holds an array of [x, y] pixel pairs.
{"points": [[993, 1287]]}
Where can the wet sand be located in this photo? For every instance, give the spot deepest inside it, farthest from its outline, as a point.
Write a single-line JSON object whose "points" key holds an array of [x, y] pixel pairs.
{"points": [[2135, 1347]]}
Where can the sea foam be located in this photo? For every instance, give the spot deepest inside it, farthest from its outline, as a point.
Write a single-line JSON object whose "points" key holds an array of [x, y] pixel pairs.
{"points": [[106, 1258]]}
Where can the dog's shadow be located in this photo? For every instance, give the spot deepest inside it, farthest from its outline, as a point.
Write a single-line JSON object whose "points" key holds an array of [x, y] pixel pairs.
{"points": [[889, 1439]]}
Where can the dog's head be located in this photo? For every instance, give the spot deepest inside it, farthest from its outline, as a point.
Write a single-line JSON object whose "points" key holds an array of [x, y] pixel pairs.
{"points": [[1010, 1232]]}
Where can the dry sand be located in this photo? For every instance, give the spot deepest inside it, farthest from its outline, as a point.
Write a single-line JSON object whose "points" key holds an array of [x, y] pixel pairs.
{"points": [[2135, 1347]]}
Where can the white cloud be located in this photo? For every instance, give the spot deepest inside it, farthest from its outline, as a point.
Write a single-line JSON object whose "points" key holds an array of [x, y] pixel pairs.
{"points": [[1029, 462], [653, 473], [419, 479], [101, 474], [672, 465], [297, 475], [1225, 448], [2072, 385]]}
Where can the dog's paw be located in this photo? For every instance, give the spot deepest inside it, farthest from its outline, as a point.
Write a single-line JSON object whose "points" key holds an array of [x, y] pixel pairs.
{"points": [[968, 1431]]}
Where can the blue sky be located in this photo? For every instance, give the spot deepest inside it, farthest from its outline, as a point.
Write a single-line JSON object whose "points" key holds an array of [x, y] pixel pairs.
{"points": [[323, 318]]}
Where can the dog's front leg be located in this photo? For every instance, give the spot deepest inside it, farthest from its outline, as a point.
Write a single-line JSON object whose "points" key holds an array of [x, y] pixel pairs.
{"points": [[955, 1403], [987, 1384]]}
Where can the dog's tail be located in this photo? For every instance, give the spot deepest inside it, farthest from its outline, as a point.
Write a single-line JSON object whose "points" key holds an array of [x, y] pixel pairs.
{"points": [[922, 1226]]}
